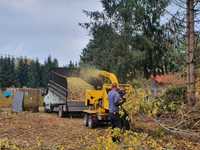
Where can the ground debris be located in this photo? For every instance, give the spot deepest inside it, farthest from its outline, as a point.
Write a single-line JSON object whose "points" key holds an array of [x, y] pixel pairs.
{"points": [[32, 130]]}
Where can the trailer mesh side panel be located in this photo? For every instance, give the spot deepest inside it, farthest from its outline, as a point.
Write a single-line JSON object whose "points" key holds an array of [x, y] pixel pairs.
{"points": [[60, 80]]}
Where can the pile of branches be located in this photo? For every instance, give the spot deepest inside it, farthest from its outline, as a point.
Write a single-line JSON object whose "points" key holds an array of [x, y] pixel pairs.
{"points": [[168, 112], [185, 123]]}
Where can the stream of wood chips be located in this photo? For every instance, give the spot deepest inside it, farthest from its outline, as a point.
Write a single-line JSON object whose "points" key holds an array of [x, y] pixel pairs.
{"points": [[77, 88]]}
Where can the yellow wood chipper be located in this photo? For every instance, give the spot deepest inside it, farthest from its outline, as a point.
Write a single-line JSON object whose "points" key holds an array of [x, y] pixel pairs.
{"points": [[97, 101]]}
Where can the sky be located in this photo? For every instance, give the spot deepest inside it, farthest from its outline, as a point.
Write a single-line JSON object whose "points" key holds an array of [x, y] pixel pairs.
{"points": [[38, 28]]}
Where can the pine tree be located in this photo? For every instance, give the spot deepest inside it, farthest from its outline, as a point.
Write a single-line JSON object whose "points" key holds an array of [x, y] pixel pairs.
{"points": [[46, 68], [22, 72], [34, 74]]}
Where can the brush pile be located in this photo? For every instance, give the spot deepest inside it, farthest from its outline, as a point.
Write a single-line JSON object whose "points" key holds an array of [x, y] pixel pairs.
{"points": [[77, 88], [169, 112]]}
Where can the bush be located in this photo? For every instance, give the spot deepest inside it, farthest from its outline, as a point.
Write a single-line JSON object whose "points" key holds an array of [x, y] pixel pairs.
{"points": [[128, 140], [136, 83], [140, 83], [176, 94], [173, 98], [171, 101]]}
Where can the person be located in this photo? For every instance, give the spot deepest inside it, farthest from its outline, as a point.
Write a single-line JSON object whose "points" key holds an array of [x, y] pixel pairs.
{"points": [[154, 85], [114, 102]]}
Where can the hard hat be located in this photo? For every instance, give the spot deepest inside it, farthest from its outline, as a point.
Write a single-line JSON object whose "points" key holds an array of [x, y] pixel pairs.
{"points": [[114, 85]]}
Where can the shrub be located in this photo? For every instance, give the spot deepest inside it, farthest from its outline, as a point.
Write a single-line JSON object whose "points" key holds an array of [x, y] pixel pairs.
{"points": [[176, 94]]}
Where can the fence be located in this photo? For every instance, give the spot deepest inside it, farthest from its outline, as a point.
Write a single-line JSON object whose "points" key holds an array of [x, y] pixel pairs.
{"points": [[31, 97]]}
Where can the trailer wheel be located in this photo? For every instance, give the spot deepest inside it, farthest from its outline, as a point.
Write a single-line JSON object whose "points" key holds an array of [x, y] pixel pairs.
{"points": [[51, 108], [60, 112], [91, 122], [85, 120], [46, 110]]}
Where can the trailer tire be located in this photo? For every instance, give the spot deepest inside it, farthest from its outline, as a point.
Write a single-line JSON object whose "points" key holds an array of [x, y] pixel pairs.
{"points": [[60, 112], [51, 108], [85, 119], [46, 110], [91, 122]]}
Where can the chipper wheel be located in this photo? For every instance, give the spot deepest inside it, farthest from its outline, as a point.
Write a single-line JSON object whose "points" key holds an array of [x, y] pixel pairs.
{"points": [[91, 121]]}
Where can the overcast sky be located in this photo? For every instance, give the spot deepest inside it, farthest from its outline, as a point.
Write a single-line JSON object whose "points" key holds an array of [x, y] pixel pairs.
{"points": [[38, 28]]}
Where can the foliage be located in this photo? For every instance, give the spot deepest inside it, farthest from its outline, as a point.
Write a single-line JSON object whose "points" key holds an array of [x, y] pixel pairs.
{"points": [[129, 38], [128, 140], [8, 145], [7, 71], [175, 93], [34, 74], [173, 98], [20, 72], [141, 102], [48, 65], [136, 83], [150, 107]]}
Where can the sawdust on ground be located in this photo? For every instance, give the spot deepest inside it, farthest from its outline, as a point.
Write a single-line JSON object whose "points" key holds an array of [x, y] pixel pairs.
{"points": [[28, 129]]}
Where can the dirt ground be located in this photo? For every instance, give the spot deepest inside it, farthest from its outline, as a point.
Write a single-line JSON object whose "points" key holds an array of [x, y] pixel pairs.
{"points": [[28, 130]]}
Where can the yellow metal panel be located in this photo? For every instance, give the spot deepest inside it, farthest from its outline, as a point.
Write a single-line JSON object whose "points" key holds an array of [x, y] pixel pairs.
{"points": [[92, 96], [105, 100], [90, 111], [110, 76]]}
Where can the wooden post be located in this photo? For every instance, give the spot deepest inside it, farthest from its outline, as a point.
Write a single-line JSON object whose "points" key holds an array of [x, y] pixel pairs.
{"points": [[190, 53]]}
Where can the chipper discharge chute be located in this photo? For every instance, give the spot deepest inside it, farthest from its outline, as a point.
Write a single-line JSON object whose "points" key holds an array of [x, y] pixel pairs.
{"points": [[65, 92]]}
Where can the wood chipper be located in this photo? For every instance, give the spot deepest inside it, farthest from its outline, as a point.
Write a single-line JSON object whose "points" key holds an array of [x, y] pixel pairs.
{"points": [[97, 100]]}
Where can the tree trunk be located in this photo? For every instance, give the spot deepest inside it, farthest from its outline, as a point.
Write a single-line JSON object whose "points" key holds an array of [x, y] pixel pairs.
{"points": [[190, 53]]}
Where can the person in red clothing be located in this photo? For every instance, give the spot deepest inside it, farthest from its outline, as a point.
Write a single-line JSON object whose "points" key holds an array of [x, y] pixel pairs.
{"points": [[154, 84]]}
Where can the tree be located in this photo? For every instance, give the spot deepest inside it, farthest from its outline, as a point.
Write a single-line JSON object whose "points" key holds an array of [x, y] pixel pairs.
{"points": [[7, 71], [190, 53], [34, 74], [45, 69], [22, 72], [128, 37]]}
